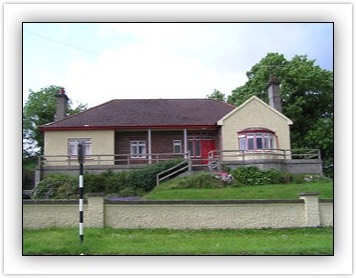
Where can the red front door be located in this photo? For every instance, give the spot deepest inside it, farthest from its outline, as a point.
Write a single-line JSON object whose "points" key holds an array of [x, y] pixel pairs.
{"points": [[206, 147]]}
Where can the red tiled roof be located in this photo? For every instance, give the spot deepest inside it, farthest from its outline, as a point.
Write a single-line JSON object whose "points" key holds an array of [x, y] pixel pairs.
{"points": [[131, 113]]}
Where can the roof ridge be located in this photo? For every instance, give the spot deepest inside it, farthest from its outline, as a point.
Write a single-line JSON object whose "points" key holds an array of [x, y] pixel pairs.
{"points": [[76, 114], [162, 99], [182, 99], [224, 102]]}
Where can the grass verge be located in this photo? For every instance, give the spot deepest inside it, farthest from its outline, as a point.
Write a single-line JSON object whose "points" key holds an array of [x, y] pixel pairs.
{"points": [[274, 191], [108, 241]]}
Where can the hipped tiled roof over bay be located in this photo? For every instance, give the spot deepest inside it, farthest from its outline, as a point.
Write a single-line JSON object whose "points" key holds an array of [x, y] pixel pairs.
{"points": [[132, 113]]}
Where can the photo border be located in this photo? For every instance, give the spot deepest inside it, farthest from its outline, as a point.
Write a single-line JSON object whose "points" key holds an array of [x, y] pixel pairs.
{"points": [[15, 263]]}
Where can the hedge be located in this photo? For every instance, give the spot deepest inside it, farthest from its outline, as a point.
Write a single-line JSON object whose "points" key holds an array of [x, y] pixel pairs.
{"points": [[251, 175], [130, 183]]}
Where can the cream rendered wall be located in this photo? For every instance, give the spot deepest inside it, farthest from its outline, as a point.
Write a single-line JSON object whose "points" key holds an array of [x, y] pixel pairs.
{"points": [[209, 216], [327, 214], [243, 214], [254, 113], [56, 143], [47, 215]]}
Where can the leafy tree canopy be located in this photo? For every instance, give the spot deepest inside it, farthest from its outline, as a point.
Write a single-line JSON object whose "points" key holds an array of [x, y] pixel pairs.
{"points": [[217, 95], [307, 98], [40, 109]]}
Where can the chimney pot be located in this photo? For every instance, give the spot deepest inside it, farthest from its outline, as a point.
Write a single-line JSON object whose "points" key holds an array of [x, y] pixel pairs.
{"points": [[62, 102], [274, 93]]}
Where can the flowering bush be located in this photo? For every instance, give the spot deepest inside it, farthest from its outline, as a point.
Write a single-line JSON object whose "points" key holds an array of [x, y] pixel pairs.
{"points": [[223, 176]]}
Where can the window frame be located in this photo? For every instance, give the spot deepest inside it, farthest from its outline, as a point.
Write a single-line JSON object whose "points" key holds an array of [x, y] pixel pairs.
{"points": [[194, 147], [137, 144], [194, 141], [72, 144], [256, 140], [177, 143]]}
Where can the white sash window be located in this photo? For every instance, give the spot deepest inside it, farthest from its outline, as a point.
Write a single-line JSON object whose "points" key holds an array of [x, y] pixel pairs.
{"points": [[73, 147], [177, 146], [138, 149]]}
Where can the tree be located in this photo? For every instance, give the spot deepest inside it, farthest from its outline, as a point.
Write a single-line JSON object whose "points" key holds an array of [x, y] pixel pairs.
{"points": [[321, 135], [40, 109], [217, 95], [258, 76], [307, 99]]}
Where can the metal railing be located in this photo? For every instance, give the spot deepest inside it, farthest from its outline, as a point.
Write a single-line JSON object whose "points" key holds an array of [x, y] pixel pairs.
{"points": [[177, 169], [226, 155], [108, 159], [214, 157]]}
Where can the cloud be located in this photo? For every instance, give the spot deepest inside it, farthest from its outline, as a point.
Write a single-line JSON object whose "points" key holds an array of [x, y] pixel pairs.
{"points": [[171, 60], [144, 71]]}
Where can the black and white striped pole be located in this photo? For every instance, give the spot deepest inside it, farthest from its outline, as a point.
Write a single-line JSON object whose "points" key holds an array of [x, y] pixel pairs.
{"points": [[81, 155]]}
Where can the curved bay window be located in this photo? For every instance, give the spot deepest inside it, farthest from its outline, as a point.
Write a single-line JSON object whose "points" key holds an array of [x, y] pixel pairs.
{"points": [[256, 139]]}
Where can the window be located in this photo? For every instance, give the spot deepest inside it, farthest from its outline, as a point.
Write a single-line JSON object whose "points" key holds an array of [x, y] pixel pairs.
{"points": [[251, 141], [177, 146], [195, 144], [242, 143], [194, 148], [138, 149], [73, 147]]}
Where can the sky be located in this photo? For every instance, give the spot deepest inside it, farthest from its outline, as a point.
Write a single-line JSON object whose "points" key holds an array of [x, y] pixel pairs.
{"points": [[98, 62]]}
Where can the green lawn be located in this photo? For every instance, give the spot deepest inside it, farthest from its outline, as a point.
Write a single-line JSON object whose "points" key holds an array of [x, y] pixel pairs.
{"points": [[275, 191], [108, 241]]}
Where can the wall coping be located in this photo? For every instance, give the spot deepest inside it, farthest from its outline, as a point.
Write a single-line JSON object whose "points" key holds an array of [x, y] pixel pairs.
{"points": [[171, 202], [161, 202], [326, 200], [99, 194], [51, 201], [309, 194], [197, 202]]}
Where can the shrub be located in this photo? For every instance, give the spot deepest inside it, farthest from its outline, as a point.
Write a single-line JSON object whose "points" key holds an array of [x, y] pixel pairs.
{"points": [[116, 182], [251, 175], [276, 177], [107, 181], [298, 178], [94, 183], [130, 192], [57, 186], [131, 183], [144, 180], [196, 181]]}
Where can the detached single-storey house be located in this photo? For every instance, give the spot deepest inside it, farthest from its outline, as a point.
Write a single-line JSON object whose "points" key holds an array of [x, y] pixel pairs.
{"points": [[128, 133]]}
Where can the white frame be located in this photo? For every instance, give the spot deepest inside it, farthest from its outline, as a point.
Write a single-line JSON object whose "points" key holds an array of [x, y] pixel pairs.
{"points": [[177, 143], [74, 142], [265, 136], [196, 145], [135, 149]]}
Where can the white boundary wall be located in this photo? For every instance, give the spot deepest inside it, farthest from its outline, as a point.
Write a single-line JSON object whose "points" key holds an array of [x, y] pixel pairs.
{"points": [[308, 211]]}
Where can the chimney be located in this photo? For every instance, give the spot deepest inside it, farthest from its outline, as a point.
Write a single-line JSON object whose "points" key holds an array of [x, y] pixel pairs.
{"points": [[273, 89], [62, 102]]}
